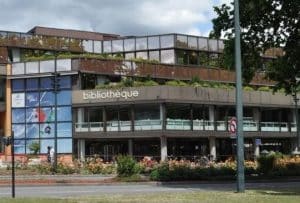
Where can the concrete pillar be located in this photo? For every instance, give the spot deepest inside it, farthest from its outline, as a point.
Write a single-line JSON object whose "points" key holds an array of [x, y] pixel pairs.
{"points": [[163, 116], [81, 149], [80, 115], [163, 149], [256, 148], [211, 113], [212, 148], [294, 146], [130, 147]]}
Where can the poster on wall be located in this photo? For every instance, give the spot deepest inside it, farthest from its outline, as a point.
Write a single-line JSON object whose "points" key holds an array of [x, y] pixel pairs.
{"points": [[18, 100]]}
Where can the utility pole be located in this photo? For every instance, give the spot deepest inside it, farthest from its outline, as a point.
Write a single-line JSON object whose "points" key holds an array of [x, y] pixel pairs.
{"points": [[239, 101]]}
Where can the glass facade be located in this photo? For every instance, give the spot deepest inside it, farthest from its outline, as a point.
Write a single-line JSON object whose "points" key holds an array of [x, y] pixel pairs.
{"points": [[33, 114]]}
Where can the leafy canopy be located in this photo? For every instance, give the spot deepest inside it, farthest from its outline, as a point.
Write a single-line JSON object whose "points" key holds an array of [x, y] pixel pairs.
{"points": [[266, 25]]}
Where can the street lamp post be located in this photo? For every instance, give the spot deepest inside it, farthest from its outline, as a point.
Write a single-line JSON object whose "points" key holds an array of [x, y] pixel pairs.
{"points": [[55, 85], [239, 101], [297, 120]]}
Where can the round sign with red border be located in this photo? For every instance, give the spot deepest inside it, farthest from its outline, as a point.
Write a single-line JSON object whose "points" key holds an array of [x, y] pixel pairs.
{"points": [[232, 125]]}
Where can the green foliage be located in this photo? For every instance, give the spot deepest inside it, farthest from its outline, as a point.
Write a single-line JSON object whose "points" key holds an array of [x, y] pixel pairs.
{"points": [[126, 166], [66, 169], [176, 83], [266, 163], [195, 80], [248, 88], [264, 25], [127, 82], [34, 148], [264, 89]]}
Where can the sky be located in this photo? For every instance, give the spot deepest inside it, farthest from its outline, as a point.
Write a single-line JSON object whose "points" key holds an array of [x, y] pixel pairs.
{"points": [[123, 17]]}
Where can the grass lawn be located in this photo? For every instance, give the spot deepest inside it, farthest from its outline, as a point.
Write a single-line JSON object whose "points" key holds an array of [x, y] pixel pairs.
{"points": [[251, 196]]}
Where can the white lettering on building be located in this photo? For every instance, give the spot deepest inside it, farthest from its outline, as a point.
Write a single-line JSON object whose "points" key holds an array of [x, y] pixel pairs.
{"points": [[109, 94]]}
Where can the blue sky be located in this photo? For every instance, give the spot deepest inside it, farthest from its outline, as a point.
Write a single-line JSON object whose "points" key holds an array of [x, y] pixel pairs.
{"points": [[124, 17]]}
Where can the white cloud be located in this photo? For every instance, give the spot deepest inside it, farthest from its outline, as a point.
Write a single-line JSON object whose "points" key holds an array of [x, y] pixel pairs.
{"points": [[124, 17]]}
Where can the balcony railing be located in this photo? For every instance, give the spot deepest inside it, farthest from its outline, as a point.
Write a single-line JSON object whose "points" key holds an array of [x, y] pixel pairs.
{"points": [[177, 124]]}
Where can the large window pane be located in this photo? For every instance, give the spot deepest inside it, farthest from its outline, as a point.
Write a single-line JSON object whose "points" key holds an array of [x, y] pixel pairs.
{"points": [[129, 56], [65, 82], [18, 100], [147, 112], [63, 65], [47, 98], [141, 43], [97, 47], [19, 130], [32, 84], [45, 143], [153, 42], [46, 83], [193, 57], [40, 115], [192, 42], [167, 41], [64, 145], [32, 131], [167, 56], [129, 44], [182, 57], [32, 99], [221, 45], [154, 55], [64, 97], [32, 67], [29, 143], [64, 130], [117, 45], [64, 114], [202, 44], [181, 41], [213, 45], [18, 115], [203, 58], [18, 85], [47, 130], [47, 66], [142, 54], [87, 45], [19, 146], [18, 68], [106, 46]]}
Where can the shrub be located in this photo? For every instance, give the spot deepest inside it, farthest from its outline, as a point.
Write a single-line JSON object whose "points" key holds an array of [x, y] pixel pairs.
{"points": [[266, 163], [126, 166], [162, 172], [248, 88], [66, 169], [264, 89]]}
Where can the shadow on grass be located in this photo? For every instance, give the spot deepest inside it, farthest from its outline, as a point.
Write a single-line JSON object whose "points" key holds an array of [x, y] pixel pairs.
{"points": [[290, 191]]}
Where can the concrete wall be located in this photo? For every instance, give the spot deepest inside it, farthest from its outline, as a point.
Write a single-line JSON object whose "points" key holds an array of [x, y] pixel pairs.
{"points": [[188, 95]]}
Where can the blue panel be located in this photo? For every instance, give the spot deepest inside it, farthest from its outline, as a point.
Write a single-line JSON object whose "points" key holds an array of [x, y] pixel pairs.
{"points": [[45, 143], [65, 82], [19, 146], [18, 85], [47, 98], [64, 130], [46, 83], [40, 115], [64, 113], [32, 99], [47, 130], [32, 131], [32, 84], [64, 97], [28, 144], [19, 131], [64, 145], [18, 115]]}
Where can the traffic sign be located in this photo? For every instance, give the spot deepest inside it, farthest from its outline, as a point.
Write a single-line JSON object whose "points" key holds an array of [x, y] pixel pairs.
{"points": [[232, 126]]}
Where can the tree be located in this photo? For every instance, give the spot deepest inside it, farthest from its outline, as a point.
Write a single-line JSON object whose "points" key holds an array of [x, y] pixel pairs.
{"points": [[266, 25]]}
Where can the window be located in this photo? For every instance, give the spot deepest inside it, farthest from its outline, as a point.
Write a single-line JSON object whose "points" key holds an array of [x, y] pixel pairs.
{"points": [[181, 41], [18, 85], [47, 130], [97, 47], [32, 67], [153, 42], [64, 114], [129, 56], [129, 45], [192, 42], [47, 66], [46, 83], [18, 68], [182, 57], [63, 65], [64, 129], [154, 55], [32, 84], [166, 41], [141, 43], [202, 44], [142, 55], [167, 56], [32, 99], [87, 45], [117, 45], [64, 97], [18, 115], [32, 130], [65, 82], [106, 46], [47, 98], [213, 45]]}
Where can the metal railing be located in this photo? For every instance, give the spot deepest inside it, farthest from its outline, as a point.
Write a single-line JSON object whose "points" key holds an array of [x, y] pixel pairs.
{"points": [[177, 124]]}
